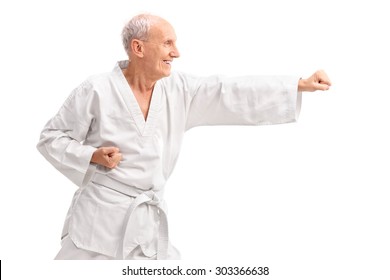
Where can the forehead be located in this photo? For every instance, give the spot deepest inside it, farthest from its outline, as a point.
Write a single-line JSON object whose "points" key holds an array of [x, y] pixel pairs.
{"points": [[162, 30]]}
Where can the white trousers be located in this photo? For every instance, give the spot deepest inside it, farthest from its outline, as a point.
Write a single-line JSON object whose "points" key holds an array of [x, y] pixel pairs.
{"points": [[69, 251]]}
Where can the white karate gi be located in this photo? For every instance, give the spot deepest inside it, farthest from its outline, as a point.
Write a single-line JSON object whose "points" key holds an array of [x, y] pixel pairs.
{"points": [[120, 213]]}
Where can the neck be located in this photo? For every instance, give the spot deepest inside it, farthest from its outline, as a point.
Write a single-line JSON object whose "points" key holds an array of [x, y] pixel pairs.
{"points": [[138, 80]]}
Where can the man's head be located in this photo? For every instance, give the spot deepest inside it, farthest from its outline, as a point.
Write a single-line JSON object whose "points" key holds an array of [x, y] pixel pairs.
{"points": [[150, 42]]}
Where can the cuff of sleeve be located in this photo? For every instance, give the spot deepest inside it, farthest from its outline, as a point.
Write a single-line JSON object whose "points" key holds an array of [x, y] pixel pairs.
{"points": [[294, 99], [90, 171], [80, 169], [298, 105]]}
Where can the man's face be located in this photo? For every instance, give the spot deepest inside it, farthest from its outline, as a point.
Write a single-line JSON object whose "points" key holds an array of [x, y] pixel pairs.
{"points": [[160, 50]]}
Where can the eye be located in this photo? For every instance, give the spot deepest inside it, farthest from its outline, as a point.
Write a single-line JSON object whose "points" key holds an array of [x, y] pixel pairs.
{"points": [[168, 43]]}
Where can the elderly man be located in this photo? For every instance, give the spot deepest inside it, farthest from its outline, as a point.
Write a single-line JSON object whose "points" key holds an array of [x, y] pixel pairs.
{"points": [[118, 136]]}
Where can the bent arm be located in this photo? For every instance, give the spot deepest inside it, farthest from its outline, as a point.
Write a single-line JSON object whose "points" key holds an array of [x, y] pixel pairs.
{"points": [[61, 140]]}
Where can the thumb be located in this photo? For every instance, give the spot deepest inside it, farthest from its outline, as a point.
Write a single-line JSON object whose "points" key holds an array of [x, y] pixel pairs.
{"points": [[321, 86], [110, 150]]}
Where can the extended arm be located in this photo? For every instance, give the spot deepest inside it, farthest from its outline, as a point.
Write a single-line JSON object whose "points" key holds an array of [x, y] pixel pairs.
{"points": [[250, 100], [247, 100]]}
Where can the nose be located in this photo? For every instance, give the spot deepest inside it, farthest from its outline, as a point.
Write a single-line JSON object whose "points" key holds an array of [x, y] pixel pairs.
{"points": [[175, 52]]}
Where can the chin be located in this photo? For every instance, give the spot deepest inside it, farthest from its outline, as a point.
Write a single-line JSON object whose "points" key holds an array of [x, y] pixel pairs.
{"points": [[167, 74]]}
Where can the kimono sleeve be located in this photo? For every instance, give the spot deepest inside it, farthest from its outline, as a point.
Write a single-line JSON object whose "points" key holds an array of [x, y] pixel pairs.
{"points": [[61, 140], [249, 100]]}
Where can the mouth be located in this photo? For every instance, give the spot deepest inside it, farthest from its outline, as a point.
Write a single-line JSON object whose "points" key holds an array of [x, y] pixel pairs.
{"points": [[168, 62]]}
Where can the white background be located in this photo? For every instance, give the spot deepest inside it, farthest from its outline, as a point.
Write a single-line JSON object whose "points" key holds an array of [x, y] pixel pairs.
{"points": [[310, 200]]}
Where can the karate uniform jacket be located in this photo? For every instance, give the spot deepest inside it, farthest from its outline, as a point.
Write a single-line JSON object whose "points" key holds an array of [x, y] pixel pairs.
{"points": [[114, 211]]}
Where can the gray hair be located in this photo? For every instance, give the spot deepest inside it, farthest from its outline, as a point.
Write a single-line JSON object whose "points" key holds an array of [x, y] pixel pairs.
{"points": [[137, 28]]}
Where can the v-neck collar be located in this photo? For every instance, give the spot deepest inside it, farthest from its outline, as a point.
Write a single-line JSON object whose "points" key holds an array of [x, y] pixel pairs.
{"points": [[145, 127]]}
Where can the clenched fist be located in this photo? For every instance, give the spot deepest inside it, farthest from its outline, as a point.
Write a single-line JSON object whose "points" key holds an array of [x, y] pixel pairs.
{"points": [[318, 81], [107, 156]]}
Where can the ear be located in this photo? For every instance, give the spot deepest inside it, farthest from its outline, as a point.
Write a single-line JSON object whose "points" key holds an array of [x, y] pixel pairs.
{"points": [[137, 47]]}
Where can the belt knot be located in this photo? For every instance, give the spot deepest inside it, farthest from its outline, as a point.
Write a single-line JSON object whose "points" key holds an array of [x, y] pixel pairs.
{"points": [[154, 199]]}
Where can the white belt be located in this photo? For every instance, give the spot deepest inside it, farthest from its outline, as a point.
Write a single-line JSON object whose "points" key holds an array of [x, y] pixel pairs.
{"points": [[148, 197]]}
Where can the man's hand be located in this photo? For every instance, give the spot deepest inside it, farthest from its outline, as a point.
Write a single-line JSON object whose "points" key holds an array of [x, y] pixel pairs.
{"points": [[318, 81], [107, 156]]}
